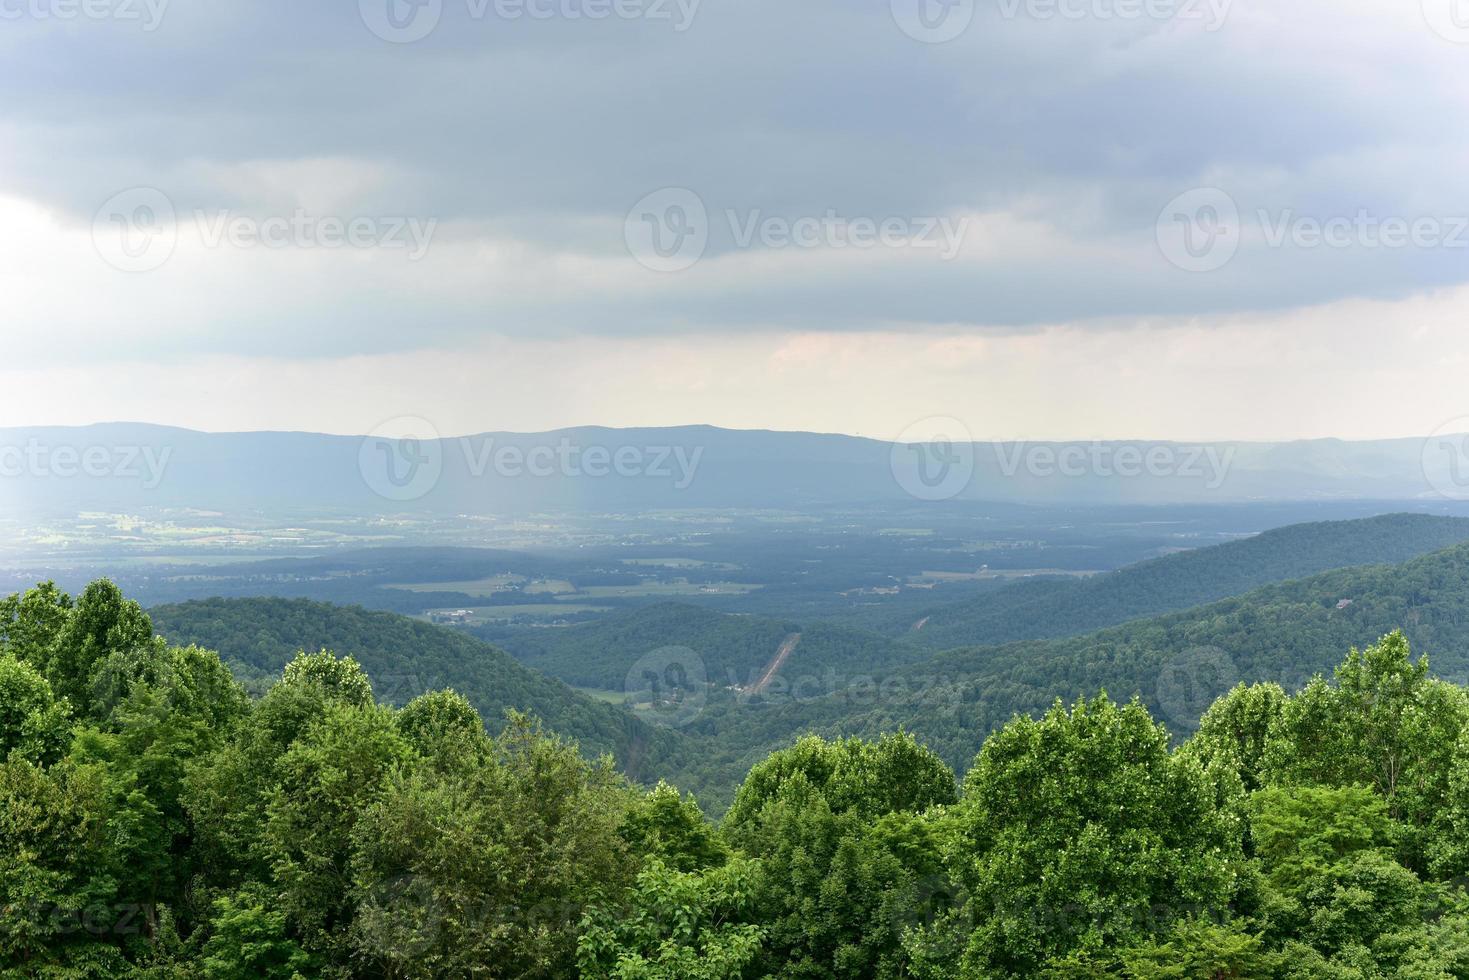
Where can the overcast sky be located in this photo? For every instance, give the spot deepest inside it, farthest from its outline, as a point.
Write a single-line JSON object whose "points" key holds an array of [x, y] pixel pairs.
{"points": [[1045, 218]]}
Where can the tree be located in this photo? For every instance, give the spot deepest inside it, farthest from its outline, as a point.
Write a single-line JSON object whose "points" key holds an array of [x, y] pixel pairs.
{"points": [[676, 926], [488, 870], [33, 722], [1332, 883], [672, 829], [868, 778], [327, 780], [31, 621], [1386, 725], [248, 940], [101, 623], [1081, 831], [840, 881], [1235, 729]]}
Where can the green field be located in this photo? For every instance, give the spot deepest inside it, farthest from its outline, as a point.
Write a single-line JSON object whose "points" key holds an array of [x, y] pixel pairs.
{"points": [[475, 587], [679, 588]]}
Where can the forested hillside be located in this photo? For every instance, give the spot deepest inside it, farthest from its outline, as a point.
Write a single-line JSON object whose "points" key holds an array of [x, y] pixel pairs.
{"points": [[1176, 663], [405, 658], [734, 649], [1046, 608], [158, 822]]}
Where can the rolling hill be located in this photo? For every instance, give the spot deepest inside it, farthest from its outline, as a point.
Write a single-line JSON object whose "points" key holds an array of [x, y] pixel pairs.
{"points": [[1177, 663], [405, 658], [1045, 608]]}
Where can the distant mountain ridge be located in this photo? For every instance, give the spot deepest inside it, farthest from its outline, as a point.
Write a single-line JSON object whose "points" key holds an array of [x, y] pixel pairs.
{"points": [[594, 469]]}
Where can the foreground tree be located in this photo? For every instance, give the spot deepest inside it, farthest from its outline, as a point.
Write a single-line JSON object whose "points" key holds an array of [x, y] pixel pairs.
{"points": [[1080, 833]]}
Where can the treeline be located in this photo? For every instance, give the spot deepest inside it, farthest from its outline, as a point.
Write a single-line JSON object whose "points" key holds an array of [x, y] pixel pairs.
{"points": [[158, 822], [1046, 608], [404, 658]]}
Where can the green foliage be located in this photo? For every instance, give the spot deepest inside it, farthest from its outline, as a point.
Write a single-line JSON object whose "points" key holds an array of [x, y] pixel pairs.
{"points": [[166, 826], [490, 871], [33, 722], [843, 866], [1384, 724], [1235, 730], [405, 658], [676, 925], [671, 828], [248, 940], [868, 779], [1040, 609], [327, 779], [1082, 831]]}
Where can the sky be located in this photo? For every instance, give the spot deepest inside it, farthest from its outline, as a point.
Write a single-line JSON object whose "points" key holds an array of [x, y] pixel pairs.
{"points": [[1043, 218]]}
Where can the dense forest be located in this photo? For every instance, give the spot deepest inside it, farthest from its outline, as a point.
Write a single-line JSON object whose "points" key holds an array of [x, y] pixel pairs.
{"points": [[158, 821], [404, 658], [841, 682], [1045, 608]]}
